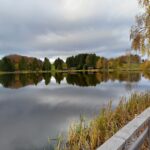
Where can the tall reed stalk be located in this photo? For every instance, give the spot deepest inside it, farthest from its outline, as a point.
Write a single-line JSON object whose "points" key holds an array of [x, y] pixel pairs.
{"points": [[83, 136]]}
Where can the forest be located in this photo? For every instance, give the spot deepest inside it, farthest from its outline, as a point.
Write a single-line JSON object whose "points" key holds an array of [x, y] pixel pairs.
{"points": [[80, 62]]}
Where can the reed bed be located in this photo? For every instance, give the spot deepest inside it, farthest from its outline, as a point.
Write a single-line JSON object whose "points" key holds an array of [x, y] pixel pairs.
{"points": [[89, 136]]}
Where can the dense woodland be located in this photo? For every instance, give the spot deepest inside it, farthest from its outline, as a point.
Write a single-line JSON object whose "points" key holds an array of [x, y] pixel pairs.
{"points": [[13, 63]]}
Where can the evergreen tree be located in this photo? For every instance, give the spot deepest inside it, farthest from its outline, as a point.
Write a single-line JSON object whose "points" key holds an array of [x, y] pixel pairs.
{"points": [[35, 66], [7, 65], [59, 64], [82, 61], [46, 65], [70, 61], [91, 60], [1, 64]]}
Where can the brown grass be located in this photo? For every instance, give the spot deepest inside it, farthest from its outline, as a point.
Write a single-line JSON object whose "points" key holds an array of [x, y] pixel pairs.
{"points": [[83, 136]]}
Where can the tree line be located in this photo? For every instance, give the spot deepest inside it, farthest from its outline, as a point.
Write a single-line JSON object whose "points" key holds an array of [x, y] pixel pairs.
{"points": [[78, 62]]}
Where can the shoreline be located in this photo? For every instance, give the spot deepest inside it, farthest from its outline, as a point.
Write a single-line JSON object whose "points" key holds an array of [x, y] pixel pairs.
{"points": [[92, 134], [72, 71]]}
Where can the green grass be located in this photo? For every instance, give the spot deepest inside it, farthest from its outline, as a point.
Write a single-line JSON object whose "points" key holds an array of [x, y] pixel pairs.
{"points": [[133, 67], [89, 136]]}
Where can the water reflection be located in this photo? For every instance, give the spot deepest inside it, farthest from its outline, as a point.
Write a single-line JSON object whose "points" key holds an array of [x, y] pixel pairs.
{"points": [[29, 114], [20, 80], [79, 79]]}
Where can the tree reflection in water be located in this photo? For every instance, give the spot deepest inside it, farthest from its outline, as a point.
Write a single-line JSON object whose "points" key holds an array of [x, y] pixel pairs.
{"points": [[79, 79]]}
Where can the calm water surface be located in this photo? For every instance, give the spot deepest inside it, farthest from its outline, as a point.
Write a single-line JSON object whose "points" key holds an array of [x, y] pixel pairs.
{"points": [[36, 106]]}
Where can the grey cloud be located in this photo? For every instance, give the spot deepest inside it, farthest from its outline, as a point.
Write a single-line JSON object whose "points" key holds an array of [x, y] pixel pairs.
{"points": [[64, 27]]}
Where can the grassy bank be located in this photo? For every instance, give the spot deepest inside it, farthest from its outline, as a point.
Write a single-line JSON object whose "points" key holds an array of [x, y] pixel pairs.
{"points": [[89, 136], [73, 71]]}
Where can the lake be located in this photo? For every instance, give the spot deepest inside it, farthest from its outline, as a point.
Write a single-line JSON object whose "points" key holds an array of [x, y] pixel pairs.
{"points": [[34, 107]]}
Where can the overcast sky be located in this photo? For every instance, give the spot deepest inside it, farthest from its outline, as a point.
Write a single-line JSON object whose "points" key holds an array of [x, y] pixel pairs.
{"points": [[62, 28]]}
